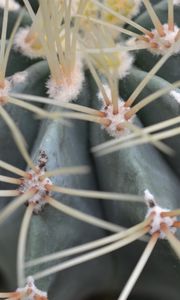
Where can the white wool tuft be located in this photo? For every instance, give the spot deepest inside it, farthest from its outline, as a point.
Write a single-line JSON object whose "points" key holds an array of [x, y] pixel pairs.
{"points": [[148, 196], [125, 65], [30, 291], [12, 6], [158, 219], [162, 42], [69, 88], [136, 7], [25, 48], [176, 2], [117, 119], [35, 182], [18, 77]]}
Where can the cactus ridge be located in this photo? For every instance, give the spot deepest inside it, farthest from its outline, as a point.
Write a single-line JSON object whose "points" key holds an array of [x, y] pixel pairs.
{"points": [[102, 80]]}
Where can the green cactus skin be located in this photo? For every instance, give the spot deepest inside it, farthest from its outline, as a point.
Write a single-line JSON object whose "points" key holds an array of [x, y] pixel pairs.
{"points": [[131, 170]]}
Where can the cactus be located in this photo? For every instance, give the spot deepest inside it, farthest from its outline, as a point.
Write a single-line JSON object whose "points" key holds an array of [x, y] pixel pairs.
{"points": [[89, 152]]}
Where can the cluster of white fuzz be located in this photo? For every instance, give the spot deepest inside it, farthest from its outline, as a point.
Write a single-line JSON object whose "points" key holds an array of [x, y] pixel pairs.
{"points": [[176, 2], [18, 77], [34, 181], [116, 119], [67, 89], [163, 43], [126, 61], [136, 9], [30, 291], [12, 5], [20, 44], [158, 219]]}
